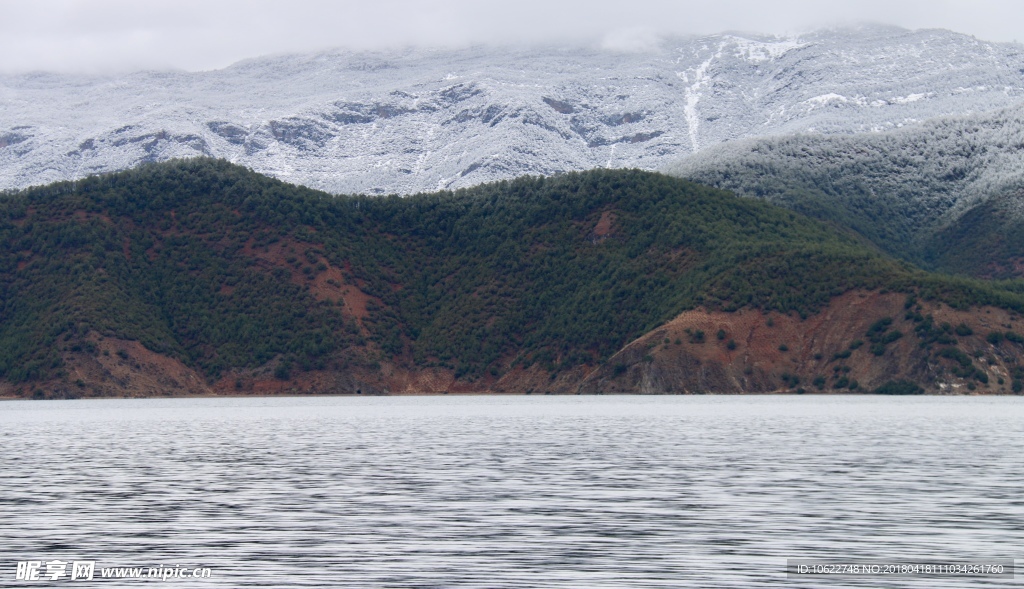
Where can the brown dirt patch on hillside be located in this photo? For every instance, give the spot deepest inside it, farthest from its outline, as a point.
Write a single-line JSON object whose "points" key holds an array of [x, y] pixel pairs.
{"points": [[762, 352], [112, 367], [328, 284]]}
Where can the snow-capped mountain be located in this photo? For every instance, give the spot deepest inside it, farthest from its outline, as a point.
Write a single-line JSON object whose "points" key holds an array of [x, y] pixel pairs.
{"points": [[415, 120]]}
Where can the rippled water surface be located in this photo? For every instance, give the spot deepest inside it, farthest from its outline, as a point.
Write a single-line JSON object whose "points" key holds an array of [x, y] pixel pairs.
{"points": [[511, 491]]}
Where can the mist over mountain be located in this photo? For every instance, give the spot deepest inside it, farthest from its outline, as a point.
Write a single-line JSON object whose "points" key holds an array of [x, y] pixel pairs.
{"points": [[418, 120]]}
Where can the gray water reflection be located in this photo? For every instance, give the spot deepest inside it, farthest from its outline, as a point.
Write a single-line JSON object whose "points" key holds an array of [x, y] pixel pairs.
{"points": [[510, 491]]}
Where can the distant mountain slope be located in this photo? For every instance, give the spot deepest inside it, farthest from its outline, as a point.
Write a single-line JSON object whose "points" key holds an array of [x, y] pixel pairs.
{"points": [[411, 121], [188, 276], [948, 193]]}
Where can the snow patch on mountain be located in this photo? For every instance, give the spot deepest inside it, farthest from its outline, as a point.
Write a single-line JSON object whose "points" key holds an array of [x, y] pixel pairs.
{"points": [[759, 51]]}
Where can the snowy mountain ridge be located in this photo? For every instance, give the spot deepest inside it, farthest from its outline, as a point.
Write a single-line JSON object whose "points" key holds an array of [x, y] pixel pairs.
{"points": [[418, 120], [947, 194]]}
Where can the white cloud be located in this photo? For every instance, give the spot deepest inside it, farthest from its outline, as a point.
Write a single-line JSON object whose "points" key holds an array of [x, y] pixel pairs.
{"points": [[97, 35], [631, 39]]}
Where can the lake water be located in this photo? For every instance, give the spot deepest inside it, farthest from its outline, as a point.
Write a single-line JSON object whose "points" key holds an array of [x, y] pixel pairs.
{"points": [[695, 491]]}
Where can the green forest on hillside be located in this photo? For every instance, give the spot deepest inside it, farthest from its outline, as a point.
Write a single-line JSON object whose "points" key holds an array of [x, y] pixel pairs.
{"points": [[473, 280]]}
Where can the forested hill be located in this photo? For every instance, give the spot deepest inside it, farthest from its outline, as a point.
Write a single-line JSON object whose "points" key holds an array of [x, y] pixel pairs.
{"points": [[945, 194], [143, 281]]}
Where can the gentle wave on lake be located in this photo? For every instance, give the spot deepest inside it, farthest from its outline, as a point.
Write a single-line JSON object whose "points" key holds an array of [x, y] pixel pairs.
{"points": [[562, 492]]}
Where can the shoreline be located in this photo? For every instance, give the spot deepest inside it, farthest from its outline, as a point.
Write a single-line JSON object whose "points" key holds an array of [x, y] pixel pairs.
{"points": [[516, 394]]}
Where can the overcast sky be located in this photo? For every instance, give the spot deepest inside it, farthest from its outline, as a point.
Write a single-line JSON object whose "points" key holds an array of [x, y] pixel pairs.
{"points": [[118, 35]]}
